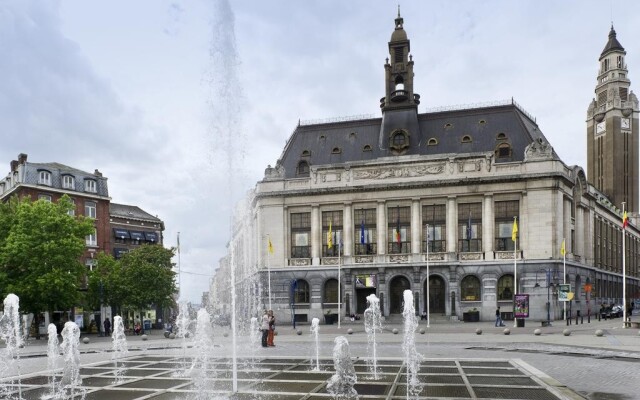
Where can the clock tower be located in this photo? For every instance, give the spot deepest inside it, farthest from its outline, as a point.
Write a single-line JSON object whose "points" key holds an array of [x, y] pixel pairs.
{"points": [[612, 130]]}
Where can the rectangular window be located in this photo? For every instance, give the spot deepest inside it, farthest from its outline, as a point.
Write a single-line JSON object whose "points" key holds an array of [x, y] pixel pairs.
{"points": [[44, 197], [504, 211], [92, 239], [399, 230], [68, 182], [434, 228], [335, 217], [72, 212], [90, 209], [301, 235], [366, 235], [90, 185], [44, 178], [469, 227]]}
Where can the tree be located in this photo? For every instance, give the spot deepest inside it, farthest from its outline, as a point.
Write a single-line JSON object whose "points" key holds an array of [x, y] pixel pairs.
{"points": [[40, 249]]}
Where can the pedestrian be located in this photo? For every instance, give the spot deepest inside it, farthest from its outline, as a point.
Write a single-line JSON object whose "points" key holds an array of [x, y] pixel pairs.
{"points": [[499, 318], [107, 327], [272, 328], [265, 328]]}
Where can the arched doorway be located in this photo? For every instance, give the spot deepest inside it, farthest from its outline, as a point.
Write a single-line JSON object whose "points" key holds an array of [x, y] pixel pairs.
{"points": [[437, 294], [396, 292]]}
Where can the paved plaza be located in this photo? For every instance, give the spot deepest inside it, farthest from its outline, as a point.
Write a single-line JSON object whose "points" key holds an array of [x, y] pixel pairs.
{"points": [[458, 363]]}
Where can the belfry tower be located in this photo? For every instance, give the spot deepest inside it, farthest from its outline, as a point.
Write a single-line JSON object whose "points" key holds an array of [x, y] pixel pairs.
{"points": [[400, 103], [612, 130]]}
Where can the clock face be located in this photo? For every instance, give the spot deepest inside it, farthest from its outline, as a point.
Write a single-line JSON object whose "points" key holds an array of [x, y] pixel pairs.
{"points": [[601, 127], [625, 123]]}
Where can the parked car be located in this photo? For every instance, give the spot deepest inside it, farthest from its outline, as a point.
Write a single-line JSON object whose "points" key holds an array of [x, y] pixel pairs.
{"points": [[616, 311]]}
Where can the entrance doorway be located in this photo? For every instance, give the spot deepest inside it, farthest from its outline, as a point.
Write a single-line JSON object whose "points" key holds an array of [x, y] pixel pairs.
{"points": [[436, 295], [361, 299], [396, 292]]}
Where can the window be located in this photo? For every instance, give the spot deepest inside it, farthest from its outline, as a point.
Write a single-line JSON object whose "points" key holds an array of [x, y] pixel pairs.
{"points": [[301, 291], [504, 211], [605, 64], [466, 139], [331, 291], [44, 197], [72, 212], [68, 182], [92, 239], [333, 220], [303, 169], [367, 147], [336, 150], [365, 228], [482, 122], [306, 153], [399, 140], [619, 61], [448, 125], [505, 287], [90, 185], [90, 209], [301, 235], [399, 230], [399, 81], [501, 136], [434, 217], [470, 288], [469, 227], [503, 151], [432, 142], [44, 178]]}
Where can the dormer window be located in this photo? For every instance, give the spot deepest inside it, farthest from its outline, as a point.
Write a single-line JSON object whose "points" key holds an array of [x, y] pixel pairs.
{"points": [[466, 139], [44, 177], [448, 125], [432, 142], [503, 151], [336, 150], [90, 186], [68, 182], [482, 122], [367, 147], [399, 140], [306, 153], [501, 136], [303, 169]]}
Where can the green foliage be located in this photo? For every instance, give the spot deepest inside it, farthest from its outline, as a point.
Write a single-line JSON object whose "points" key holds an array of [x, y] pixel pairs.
{"points": [[40, 250]]}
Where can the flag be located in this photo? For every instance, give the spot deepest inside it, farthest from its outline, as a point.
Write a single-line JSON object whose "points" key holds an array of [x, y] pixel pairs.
{"points": [[362, 232], [398, 236], [329, 237], [563, 249], [514, 230], [625, 220], [270, 246]]}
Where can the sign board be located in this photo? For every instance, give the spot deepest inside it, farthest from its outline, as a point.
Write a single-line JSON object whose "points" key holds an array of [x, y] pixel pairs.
{"points": [[521, 306], [366, 281], [563, 292]]}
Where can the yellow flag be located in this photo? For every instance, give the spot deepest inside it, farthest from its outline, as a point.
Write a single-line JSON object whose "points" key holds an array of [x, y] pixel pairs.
{"points": [[563, 249], [514, 231], [329, 237], [270, 246]]}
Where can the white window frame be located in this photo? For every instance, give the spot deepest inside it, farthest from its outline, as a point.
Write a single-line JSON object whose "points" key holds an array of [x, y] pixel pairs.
{"points": [[92, 239], [68, 182], [90, 209], [90, 185], [44, 178], [46, 197], [72, 212]]}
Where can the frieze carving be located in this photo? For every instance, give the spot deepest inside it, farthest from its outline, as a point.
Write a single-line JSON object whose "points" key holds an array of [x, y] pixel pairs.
{"points": [[506, 255], [538, 150], [363, 259], [299, 262], [399, 172], [398, 258], [330, 261], [470, 166], [435, 256], [274, 173], [470, 256]]}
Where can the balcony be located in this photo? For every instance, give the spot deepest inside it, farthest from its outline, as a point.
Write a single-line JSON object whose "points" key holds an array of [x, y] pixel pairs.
{"points": [[399, 95]]}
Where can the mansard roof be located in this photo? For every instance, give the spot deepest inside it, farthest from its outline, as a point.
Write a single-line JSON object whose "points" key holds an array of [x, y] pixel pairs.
{"points": [[439, 132], [128, 211]]}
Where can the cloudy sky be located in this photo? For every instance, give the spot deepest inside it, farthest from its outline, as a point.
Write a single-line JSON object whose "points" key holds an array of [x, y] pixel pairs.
{"points": [[182, 105]]}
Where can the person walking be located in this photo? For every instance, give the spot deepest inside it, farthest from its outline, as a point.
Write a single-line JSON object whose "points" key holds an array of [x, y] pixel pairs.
{"points": [[272, 328], [499, 321], [265, 328], [107, 327]]}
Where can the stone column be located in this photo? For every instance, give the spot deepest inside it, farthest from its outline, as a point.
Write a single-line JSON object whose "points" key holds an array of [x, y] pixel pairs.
{"points": [[381, 227], [488, 227], [347, 230], [416, 229], [579, 250], [560, 224], [452, 225], [316, 234]]}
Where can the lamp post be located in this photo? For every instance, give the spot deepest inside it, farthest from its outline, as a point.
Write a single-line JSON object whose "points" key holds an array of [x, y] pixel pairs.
{"points": [[549, 286]]}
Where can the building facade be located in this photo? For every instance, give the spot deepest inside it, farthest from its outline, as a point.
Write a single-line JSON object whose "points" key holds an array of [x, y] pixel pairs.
{"points": [[427, 202]]}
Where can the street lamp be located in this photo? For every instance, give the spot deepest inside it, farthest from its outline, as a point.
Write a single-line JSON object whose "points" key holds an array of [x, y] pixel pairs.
{"points": [[549, 286]]}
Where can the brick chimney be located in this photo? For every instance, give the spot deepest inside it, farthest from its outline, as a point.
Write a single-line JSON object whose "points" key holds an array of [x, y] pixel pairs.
{"points": [[97, 173], [22, 158], [14, 165]]}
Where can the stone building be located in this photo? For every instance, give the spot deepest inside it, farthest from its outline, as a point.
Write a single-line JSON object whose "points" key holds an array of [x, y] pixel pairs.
{"points": [[427, 202]]}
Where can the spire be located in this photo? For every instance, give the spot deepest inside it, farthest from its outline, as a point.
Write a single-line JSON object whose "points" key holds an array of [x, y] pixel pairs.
{"points": [[612, 44], [398, 33]]}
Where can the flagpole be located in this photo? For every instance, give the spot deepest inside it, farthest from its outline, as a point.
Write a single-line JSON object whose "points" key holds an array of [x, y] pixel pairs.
{"points": [[339, 299], [564, 273], [428, 299], [179, 284], [269, 247], [624, 271], [515, 269]]}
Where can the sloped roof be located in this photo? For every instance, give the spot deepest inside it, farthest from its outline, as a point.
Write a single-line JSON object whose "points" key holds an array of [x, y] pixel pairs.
{"points": [[612, 44], [127, 211]]}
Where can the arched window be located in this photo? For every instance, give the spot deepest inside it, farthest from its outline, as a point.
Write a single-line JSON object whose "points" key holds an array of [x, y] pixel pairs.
{"points": [[399, 83], [503, 150], [306, 153], [301, 291], [466, 139], [44, 177], [470, 288], [336, 150], [501, 136], [432, 142], [367, 147], [399, 139], [505, 287], [331, 291], [303, 169]]}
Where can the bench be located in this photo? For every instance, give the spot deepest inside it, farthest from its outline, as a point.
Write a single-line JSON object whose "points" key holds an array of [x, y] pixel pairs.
{"points": [[632, 324]]}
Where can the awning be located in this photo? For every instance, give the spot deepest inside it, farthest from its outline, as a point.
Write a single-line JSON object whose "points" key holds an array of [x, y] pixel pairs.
{"points": [[117, 253], [151, 236], [135, 235], [121, 233]]}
